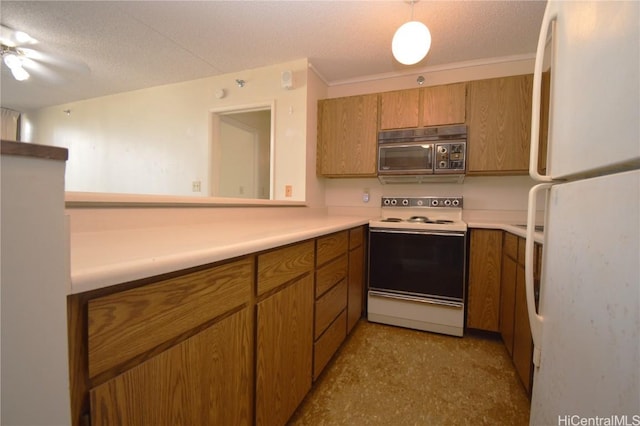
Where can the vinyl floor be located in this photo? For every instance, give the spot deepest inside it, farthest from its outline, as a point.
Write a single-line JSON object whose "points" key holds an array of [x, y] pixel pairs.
{"points": [[385, 375]]}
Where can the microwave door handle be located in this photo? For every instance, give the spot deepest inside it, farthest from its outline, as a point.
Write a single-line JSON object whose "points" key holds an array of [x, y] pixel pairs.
{"points": [[547, 21]]}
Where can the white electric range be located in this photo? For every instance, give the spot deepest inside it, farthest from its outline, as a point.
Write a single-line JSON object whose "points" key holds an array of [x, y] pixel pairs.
{"points": [[417, 264]]}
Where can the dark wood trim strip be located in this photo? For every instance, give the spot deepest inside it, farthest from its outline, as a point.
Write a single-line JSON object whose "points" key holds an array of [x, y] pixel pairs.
{"points": [[33, 150]]}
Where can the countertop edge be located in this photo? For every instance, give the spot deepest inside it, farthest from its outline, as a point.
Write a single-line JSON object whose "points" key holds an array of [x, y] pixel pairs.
{"points": [[97, 277], [538, 237]]}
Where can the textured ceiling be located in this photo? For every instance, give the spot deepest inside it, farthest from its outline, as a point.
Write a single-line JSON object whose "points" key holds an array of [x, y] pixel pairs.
{"points": [[95, 48]]}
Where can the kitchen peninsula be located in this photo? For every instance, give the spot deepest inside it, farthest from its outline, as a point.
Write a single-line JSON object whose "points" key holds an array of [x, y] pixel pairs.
{"points": [[260, 302]]}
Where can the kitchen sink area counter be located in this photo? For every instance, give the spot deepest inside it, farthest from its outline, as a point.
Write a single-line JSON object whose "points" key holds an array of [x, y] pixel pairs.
{"points": [[513, 222], [104, 257]]}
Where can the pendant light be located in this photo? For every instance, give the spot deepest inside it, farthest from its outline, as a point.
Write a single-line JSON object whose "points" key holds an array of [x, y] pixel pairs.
{"points": [[411, 42]]}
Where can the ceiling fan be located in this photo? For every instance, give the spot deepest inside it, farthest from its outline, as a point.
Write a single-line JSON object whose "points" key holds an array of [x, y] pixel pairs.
{"points": [[13, 55], [25, 56]]}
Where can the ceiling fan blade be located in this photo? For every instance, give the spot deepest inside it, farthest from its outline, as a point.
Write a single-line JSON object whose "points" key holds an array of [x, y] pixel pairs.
{"points": [[13, 38], [55, 62]]}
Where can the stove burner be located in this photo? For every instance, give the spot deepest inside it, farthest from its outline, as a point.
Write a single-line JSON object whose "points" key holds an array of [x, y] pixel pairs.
{"points": [[443, 221], [424, 219], [392, 219], [420, 219]]}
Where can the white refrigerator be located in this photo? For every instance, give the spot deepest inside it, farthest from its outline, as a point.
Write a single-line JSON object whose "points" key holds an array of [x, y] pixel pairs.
{"points": [[586, 329]]}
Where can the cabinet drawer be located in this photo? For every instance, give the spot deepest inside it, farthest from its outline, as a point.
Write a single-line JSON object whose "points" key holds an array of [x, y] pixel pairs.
{"points": [[327, 345], [283, 265], [330, 274], [331, 246], [329, 306], [356, 237], [510, 245], [129, 323]]}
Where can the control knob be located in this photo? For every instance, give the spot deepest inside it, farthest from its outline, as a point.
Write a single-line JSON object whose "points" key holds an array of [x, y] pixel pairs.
{"points": [[456, 203], [405, 202], [394, 202], [447, 203], [434, 202]]}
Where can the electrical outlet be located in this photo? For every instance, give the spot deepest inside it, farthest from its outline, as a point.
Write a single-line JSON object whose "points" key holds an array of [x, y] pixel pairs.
{"points": [[288, 191], [195, 186]]}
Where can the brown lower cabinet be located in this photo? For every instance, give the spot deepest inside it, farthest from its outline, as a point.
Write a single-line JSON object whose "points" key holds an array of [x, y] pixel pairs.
{"points": [[483, 299], [497, 298], [283, 362], [514, 316], [236, 342], [522, 340], [355, 299], [213, 365]]}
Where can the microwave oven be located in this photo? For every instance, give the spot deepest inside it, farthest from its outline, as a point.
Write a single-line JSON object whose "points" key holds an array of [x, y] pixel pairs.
{"points": [[417, 154]]}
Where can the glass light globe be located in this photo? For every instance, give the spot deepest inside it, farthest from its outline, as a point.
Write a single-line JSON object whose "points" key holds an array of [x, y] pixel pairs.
{"points": [[411, 43]]}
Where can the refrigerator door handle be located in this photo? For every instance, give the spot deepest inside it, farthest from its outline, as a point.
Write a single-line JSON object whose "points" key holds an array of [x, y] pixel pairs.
{"points": [[535, 320], [547, 21]]}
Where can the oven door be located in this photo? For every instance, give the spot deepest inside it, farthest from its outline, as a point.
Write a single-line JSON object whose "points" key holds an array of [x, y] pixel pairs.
{"points": [[405, 158], [418, 265]]}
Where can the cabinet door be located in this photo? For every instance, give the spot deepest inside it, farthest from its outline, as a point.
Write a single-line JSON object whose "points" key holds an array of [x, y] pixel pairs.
{"points": [[347, 136], [499, 125], [444, 104], [507, 302], [125, 325], [356, 286], [284, 352], [522, 340], [205, 380], [484, 280], [399, 109]]}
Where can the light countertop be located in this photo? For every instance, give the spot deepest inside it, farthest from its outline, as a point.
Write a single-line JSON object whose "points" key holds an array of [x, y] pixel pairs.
{"points": [[104, 258], [109, 256], [538, 237]]}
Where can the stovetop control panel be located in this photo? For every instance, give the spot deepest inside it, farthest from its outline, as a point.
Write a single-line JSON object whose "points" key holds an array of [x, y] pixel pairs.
{"points": [[422, 202]]}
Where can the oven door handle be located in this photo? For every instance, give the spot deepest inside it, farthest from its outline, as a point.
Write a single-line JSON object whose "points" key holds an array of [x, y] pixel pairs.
{"points": [[416, 232], [448, 303]]}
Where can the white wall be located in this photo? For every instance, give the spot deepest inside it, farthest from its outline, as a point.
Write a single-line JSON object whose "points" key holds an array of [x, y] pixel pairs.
{"points": [[316, 89], [480, 193], [156, 140]]}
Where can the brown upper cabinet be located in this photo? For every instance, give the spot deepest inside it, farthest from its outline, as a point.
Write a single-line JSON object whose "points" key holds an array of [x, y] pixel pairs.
{"points": [[427, 106], [499, 125], [347, 136], [399, 109]]}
